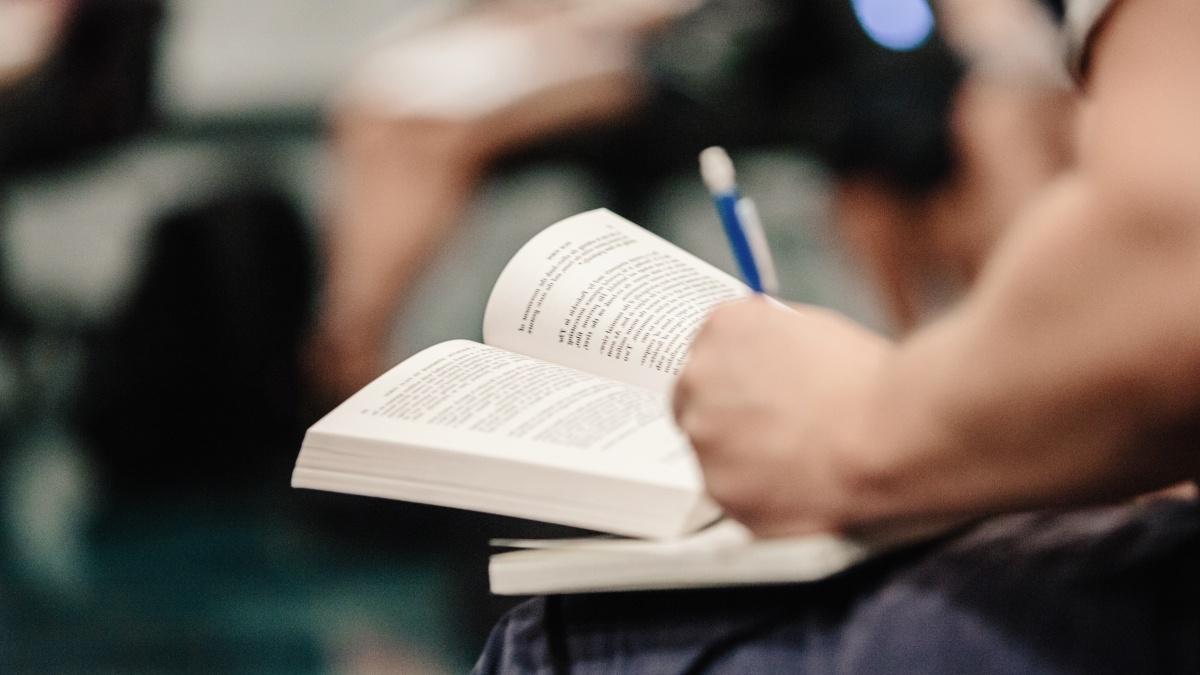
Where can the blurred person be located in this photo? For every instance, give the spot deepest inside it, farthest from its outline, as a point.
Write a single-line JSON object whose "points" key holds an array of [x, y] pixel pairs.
{"points": [[151, 433], [923, 245], [73, 76], [422, 120], [30, 30], [237, 257], [1060, 387], [630, 89]]}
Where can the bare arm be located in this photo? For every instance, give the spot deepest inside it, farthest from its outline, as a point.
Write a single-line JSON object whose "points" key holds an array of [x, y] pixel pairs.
{"points": [[1071, 372]]}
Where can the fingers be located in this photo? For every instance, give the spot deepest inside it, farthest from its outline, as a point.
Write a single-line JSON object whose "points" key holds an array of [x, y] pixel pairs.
{"points": [[680, 398], [729, 402], [714, 351], [770, 399]]}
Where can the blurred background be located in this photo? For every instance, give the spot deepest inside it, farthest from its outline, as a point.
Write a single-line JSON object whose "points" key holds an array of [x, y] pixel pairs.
{"points": [[219, 218]]}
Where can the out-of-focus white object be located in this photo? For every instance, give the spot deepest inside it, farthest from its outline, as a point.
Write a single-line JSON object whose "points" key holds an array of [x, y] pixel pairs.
{"points": [[28, 31], [72, 241], [485, 61], [716, 169], [1013, 40], [230, 58]]}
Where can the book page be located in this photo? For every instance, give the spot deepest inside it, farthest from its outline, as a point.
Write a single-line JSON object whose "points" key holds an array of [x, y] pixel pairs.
{"points": [[475, 399], [721, 555], [600, 294]]}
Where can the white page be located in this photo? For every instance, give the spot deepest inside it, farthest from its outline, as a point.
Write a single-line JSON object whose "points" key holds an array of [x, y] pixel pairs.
{"points": [[472, 399], [725, 554], [600, 294]]}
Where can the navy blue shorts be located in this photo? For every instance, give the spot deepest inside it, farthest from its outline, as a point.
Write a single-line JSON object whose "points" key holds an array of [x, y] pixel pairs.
{"points": [[1111, 590]]}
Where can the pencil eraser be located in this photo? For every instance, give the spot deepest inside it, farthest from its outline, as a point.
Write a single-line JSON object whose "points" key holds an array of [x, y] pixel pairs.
{"points": [[717, 170]]}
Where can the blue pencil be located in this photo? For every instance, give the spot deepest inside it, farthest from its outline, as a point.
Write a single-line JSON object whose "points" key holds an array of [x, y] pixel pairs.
{"points": [[740, 221]]}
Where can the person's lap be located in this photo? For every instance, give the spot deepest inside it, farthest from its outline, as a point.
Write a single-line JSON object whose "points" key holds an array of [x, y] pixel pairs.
{"points": [[1101, 590]]}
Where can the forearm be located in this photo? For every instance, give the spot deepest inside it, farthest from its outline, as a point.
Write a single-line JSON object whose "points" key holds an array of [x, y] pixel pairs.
{"points": [[1072, 370], [1063, 378], [1069, 374]]}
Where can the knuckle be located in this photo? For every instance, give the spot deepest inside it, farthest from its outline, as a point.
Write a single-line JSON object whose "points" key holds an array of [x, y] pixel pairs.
{"points": [[705, 432], [683, 396], [735, 499], [699, 432], [697, 372], [679, 406], [731, 313], [720, 319], [722, 491]]}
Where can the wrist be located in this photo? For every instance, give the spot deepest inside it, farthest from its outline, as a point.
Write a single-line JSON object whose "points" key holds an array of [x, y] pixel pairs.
{"points": [[882, 471]]}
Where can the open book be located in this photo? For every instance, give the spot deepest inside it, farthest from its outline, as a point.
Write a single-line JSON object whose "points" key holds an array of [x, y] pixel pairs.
{"points": [[562, 416]]}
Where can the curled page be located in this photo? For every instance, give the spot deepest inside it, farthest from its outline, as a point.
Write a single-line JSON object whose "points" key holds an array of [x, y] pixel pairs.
{"points": [[601, 294]]}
